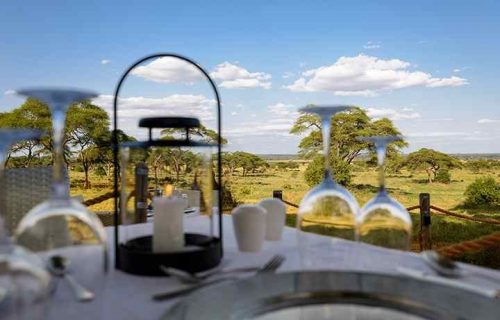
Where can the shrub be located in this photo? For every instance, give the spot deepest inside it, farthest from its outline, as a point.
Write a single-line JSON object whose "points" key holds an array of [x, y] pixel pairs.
{"points": [[100, 171], [245, 191], [443, 176], [484, 191], [228, 202], [315, 171]]}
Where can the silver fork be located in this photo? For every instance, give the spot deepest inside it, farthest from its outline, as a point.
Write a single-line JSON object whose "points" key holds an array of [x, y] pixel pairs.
{"points": [[271, 266], [189, 277]]}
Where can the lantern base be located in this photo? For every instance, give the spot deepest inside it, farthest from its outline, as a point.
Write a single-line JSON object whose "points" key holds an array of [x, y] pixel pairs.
{"points": [[201, 253]]}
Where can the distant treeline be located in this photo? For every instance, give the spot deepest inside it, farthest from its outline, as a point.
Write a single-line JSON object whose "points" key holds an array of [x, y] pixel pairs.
{"points": [[279, 156], [461, 156]]}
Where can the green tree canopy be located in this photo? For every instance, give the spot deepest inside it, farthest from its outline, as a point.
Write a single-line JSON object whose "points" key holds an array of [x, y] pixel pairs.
{"points": [[315, 171], [346, 128], [246, 161], [431, 161], [204, 133], [86, 125]]}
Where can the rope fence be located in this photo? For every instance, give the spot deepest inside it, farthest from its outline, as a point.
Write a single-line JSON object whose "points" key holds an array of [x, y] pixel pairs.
{"points": [[425, 240]]}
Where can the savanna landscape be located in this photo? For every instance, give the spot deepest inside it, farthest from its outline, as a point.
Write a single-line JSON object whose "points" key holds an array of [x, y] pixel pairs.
{"points": [[466, 184]]}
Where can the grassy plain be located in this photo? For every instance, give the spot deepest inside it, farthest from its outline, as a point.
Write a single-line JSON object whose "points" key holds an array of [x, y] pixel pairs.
{"points": [[405, 187]]}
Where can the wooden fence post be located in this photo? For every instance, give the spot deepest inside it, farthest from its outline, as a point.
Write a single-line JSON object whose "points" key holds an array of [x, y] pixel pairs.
{"points": [[278, 194], [425, 222]]}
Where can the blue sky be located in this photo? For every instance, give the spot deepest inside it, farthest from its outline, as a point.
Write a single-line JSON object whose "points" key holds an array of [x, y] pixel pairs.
{"points": [[431, 66]]}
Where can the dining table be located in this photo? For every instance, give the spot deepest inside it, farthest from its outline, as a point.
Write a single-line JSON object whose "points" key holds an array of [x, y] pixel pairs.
{"points": [[129, 297]]}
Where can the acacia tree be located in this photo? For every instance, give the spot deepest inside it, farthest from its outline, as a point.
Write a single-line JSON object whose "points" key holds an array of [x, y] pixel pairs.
{"points": [[34, 115], [179, 159], [105, 145], [346, 128], [249, 162], [86, 125], [431, 161], [230, 162]]}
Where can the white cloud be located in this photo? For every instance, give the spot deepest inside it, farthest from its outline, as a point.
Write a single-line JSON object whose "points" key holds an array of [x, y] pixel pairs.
{"points": [[278, 123], [168, 70], [233, 113], [258, 128], [131, 109], [364, 75], [9, 92], [452, 81], [372, 45], [105, 61], [486, 120], [393, 114], [287, 75], [232, 76], [457, 70], [436, 119], [281, 109], [437, 134]]}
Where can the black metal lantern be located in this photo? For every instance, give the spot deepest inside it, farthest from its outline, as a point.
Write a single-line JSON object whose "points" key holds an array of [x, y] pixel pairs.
{"points": [[136, 249]]}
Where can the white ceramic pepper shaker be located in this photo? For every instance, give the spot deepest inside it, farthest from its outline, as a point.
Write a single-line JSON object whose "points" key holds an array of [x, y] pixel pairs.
{"points": [[249, 222], [275, 218]]}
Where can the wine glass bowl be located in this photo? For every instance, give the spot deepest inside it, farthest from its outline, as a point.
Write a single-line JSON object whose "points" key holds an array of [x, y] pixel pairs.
{"points": [[384, 221], [24, 282], [55, 97], [60, 221], [61, 225], [328, 209]]}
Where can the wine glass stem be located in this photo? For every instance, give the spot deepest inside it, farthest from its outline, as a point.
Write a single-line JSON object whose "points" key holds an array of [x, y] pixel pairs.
{"points": [[381, 165], [3, 157], [3, 231], [325, 128], [59, 184]]}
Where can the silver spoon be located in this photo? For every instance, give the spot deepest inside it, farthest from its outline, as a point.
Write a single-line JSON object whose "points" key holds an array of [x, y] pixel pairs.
{"points": [[58, 266], [446, 267]]}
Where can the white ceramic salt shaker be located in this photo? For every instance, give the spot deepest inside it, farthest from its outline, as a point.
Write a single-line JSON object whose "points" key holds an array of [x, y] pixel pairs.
{"points": [[275, 218], [249, 222]]}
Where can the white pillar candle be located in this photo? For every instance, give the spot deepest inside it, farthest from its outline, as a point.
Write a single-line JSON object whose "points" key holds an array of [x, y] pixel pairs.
{"points": [[275, 218], [168, 229]]}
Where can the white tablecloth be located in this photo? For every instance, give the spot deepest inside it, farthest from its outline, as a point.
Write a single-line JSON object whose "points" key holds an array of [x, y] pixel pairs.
{"points": [[129, 297]]}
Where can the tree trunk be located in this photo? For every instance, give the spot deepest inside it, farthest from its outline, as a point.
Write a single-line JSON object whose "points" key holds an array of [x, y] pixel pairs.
{"points": [[87, 181], [429, 175], [155, 169]]}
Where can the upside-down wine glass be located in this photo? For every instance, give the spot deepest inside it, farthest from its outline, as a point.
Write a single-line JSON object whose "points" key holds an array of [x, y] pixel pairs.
{"points": [[61, 229], [23, 279], [384, 221], [328, 209]]}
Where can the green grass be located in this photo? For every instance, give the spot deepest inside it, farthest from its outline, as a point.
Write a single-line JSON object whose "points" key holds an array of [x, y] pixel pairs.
{"points": [[405, 187]]}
